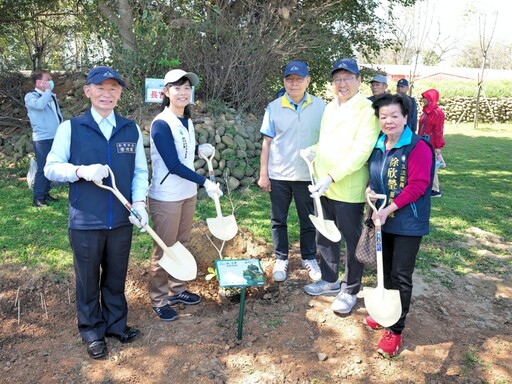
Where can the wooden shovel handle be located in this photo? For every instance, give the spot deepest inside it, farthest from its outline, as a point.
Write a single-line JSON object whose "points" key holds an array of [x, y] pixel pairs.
{"points": [[129, 207], [310, 168], [209, 163], [376, 196]]}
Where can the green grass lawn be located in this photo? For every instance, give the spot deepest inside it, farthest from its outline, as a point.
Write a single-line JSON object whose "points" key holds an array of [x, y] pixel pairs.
{"points": [[476, 199]]}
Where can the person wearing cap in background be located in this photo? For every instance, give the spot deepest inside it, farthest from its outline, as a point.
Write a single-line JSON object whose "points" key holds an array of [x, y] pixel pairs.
{"points": [[44, 114], [291, 123], [379, 85], [348, 134], [99, 231], [402, 88], [173, 190]]}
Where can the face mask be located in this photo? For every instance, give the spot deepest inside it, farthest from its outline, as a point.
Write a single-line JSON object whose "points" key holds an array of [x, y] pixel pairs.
{"points": [[51, 84]]}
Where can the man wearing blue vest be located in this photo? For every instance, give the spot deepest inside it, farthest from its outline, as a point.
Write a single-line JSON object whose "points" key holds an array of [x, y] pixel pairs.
{"points": [[291, 123], [44, 114], [99, 232]]}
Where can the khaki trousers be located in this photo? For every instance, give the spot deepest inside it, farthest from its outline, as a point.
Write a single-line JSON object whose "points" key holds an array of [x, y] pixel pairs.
{"points": [[172, 221]]}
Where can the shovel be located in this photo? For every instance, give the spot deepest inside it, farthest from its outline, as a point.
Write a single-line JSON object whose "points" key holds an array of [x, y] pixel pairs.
{"points": [[222, 227], [383, 305], [326, 227], [176, 260]]}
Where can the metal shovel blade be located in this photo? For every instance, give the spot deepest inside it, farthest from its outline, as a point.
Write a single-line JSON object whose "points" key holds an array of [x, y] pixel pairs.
{"points": [[383, 305], [223, 227], [327, 228], [179, 262]]}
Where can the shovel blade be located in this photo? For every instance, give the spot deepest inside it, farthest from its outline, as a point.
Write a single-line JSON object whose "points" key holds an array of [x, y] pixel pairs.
{"points": [[327, 228], [383, 305], [223, 227], [179, 262]]}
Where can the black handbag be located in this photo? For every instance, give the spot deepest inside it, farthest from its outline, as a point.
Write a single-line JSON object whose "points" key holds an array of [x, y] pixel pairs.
{"points": [[366, 252]]}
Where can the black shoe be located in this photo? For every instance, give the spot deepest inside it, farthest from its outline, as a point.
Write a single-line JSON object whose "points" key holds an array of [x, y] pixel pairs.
{"points": [[50, 199], [185, 297], [435, 194], [39, 203], [166, 313], [128, 335], [97, 349]]}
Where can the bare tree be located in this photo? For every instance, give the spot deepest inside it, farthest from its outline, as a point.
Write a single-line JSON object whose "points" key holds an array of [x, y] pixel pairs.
{"points": [[485, 44]]}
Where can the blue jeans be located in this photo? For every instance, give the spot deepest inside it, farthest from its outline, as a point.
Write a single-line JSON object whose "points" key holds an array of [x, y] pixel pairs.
{"points": [[281, 194], [348, 218], [41, 183]]}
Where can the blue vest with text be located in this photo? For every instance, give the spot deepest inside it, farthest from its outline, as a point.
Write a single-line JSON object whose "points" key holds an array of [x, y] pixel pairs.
{"points": [[388, 175], [91, 207]]}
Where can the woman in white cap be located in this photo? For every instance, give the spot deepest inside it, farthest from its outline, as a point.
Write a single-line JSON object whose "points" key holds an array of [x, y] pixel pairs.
{"points": [[173, 189]]}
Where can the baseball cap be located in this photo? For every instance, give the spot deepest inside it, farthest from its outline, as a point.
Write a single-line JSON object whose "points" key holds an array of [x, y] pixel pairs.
{"points": [[402, 82], [176, 74], [296, 68], [98, 75], [379, 79], [346, 64]]}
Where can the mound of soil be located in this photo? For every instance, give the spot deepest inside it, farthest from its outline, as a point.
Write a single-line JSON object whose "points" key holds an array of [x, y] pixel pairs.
{"points": [[459, 330]]}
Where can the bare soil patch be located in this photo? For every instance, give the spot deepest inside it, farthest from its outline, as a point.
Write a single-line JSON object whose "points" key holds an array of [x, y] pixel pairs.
{"points": [[459, 330]]}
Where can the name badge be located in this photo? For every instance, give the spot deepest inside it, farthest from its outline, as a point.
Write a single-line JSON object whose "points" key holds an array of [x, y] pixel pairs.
{"points": [[126, 147]]}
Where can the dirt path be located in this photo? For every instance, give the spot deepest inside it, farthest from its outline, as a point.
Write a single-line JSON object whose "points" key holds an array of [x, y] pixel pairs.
{"points": [[459, 330]]}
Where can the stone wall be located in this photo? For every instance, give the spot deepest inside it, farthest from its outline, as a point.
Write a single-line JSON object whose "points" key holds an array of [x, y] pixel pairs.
{"points": [[235, 135], [490, 109]]}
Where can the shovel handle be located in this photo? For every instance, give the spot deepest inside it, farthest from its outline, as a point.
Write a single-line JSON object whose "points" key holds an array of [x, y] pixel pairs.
{"points": [[315, 195], [210, 165], [376, 196], [212, 179], [378, 236], [310, 168], [129, 207]]}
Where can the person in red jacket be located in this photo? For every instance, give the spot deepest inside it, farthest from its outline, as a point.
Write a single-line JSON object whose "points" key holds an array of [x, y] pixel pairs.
{"points": [[432, 125]]}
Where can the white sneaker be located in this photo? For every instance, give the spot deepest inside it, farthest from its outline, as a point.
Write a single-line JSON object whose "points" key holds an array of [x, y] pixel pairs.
{"points": [[279, 271], [343, 303], [322, 288], [314, 270]]}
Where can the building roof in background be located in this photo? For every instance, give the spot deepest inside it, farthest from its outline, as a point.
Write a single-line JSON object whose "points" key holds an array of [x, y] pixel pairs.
{"points": [[438, 73]]}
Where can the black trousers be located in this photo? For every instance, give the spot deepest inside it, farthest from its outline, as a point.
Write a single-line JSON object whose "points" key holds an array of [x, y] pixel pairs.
{"points": [[281, 195], [348, 217], [101, 264], [399, 259]]}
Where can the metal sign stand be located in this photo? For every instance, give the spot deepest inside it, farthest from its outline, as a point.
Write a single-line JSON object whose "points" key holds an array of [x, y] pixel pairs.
{"points": [[240, 274]]}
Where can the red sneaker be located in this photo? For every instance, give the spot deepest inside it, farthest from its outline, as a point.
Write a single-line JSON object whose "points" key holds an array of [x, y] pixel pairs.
{"points": [[389, 344], [372, 323]]}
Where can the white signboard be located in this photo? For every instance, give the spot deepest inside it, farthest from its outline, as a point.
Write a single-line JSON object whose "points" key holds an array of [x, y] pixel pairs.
{"points": [[153, 92]]}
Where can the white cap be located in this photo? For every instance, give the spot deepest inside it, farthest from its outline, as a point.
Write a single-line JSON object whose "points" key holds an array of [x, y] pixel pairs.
{"points": [[176, 74]]}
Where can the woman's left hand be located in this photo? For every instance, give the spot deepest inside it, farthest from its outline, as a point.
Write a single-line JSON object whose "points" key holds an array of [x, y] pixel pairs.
{"points": [[383, 215]]}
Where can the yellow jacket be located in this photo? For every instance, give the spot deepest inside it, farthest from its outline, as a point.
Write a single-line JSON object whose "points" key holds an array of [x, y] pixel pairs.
{"points": [[348, 133]]}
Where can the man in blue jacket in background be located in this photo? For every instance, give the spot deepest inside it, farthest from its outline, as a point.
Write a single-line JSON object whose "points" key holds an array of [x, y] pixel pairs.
{"points": [[44, 114]]}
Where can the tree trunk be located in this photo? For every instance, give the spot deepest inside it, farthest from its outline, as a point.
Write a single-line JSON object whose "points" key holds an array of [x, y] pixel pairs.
{"points": [[124, 22]]}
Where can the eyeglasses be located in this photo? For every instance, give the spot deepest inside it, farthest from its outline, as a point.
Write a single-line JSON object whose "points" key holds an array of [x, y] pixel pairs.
{"points": [[298, 80], [345, 80]]}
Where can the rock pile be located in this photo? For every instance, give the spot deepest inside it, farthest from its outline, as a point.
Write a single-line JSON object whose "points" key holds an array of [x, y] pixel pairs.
{"points": [[490, 110], [237, 143], [235, 136]]}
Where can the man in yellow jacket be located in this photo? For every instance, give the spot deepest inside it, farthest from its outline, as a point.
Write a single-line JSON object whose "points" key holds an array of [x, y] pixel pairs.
{"points": [[348, 133]]}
